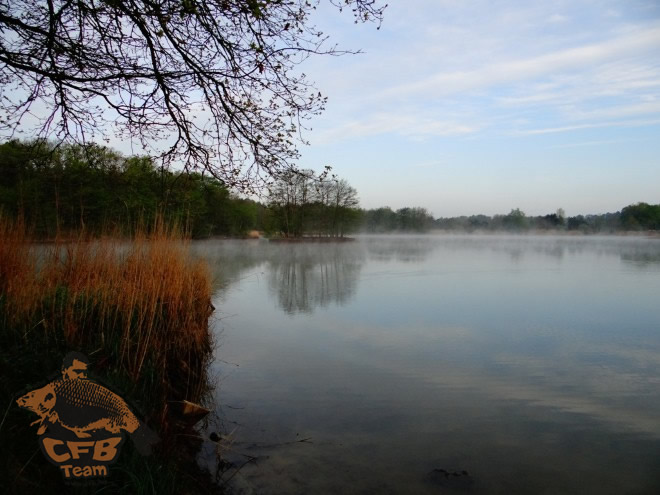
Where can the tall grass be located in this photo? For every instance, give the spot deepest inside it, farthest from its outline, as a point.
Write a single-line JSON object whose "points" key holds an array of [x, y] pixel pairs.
{"points": [[140, 307]]}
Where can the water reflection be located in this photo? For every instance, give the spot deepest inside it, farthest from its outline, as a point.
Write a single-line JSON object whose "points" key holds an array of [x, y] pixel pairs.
{"points": [[641, 258], [532, 363], [408, 249], [301, 276], [306, 279], [419, 248]]}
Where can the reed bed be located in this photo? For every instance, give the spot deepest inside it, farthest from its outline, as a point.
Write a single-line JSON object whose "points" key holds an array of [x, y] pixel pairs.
{"points": [[138, 307]]}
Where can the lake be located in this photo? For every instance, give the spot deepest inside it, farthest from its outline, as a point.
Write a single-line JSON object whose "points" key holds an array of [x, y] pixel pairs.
{"points": [[438, 364]]}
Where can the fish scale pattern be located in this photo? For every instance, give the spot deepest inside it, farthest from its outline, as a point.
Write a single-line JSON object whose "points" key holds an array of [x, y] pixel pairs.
{"points": [[82, 393]]}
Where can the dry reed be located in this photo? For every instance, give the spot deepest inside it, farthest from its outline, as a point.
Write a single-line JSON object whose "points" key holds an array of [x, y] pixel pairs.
{"points": [[140, 306]]}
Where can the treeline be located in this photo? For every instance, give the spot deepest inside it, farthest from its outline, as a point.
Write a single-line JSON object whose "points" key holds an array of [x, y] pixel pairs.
{"points": [[384, 219], [302, 204], [93, 188], [514, 221], [637, 217]]}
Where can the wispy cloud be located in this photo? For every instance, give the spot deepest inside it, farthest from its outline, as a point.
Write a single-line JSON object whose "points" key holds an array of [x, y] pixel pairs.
{"points": [[593, 143], [552, 130], [506, 81], [410, 125], [619, 111], [587, 85], [509, 71], [557, 18]]}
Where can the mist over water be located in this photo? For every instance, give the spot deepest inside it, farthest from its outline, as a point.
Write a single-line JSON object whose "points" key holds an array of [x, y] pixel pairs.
{"points": [[440, 364]]}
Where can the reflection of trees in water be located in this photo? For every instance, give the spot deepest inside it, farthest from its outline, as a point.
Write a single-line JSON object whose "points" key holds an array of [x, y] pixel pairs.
{"points": [[516, 247], [638, 250], [407, 248], [230, 259], [306, 279], [641, 258], [304, 276], [404, 248], [301, 276]]}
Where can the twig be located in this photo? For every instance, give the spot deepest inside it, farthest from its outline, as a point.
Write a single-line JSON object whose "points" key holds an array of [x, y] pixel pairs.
{"points": [[25, 465], [6, 411]]}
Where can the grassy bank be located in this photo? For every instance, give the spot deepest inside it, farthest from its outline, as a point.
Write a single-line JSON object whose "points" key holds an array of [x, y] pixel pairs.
{"points": [[138, 308]]}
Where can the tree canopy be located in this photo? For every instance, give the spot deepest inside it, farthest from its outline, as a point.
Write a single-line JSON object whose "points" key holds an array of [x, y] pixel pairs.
{"points": [[303, 205], [207, 84], [94, 189]]}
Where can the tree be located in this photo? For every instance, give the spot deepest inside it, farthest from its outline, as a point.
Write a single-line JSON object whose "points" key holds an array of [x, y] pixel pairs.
{"points": [[515, 220], [289, 196], [576, 222], [303, 204], [344, 203], [380, 220], [415, 219], [209, 84], [94, 189], [561, 214], [641, 216]]}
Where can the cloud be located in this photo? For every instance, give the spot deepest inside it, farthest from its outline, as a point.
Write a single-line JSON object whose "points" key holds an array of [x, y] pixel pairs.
{"points": [[557, 18], [593, 143], [521, 71], [619, 111], [576, 58], [550, 130], [407, 125], [428, 164], [591, 390]]}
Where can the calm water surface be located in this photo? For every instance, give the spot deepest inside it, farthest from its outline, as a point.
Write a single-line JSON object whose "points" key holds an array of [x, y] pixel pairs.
{"points": [[439, 364]]}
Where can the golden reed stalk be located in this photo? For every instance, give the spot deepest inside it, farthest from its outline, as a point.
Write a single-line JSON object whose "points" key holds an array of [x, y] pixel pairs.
{"points": [[144, 302]]}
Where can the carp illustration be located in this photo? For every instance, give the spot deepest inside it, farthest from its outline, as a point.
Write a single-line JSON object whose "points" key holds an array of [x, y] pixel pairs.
{"points": [[83, 406]]}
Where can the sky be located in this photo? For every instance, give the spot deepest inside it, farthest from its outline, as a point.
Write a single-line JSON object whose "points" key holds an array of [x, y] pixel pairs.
{"points": [[466, 107], [471, 107]]}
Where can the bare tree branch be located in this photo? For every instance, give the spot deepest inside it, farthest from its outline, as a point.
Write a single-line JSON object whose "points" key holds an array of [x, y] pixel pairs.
{"points": [[208, 84]]}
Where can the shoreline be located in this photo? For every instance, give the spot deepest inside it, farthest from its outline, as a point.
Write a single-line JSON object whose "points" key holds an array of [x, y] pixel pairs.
{"points": [[651, 234], [293, 240]]}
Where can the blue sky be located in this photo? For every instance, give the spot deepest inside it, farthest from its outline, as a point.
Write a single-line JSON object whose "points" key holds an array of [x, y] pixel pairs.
{"points": [[468, 107], [481, 106]]}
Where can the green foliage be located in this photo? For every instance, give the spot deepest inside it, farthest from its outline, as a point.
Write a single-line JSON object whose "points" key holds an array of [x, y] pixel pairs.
{"points": [[414, 219], [515, 220], [641, 216], [380, 220], [303, 204], [95, 189], [404, 220]]}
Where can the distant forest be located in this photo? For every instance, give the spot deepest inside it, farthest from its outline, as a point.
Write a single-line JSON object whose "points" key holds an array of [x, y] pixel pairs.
{"points": [[638, 217], [91, 188]]}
